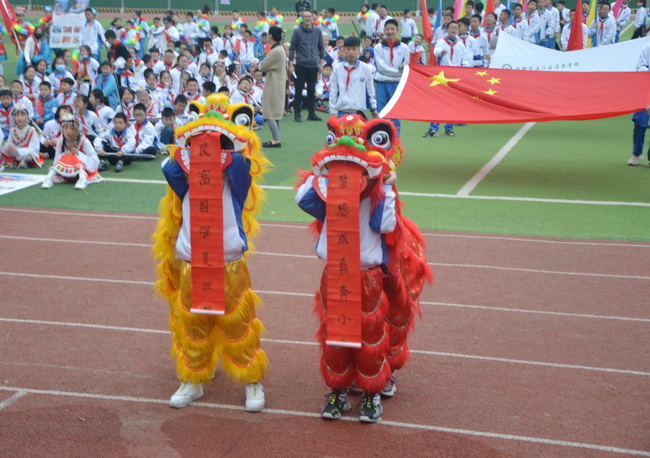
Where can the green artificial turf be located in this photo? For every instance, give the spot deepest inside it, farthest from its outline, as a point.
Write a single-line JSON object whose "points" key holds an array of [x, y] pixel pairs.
{"points": [[583, 160]]}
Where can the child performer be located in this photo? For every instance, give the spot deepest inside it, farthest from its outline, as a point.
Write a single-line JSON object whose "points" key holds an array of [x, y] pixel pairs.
{"points": [[233, 331], [75, 158], [22, 147], [367, 301]]}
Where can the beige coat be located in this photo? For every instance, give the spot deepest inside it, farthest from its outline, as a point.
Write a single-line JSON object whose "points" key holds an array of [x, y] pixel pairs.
{"points": [[275, 67]]}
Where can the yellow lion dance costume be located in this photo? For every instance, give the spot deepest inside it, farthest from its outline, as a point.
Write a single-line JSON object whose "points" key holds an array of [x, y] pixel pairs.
{"points": [[198, 340]]}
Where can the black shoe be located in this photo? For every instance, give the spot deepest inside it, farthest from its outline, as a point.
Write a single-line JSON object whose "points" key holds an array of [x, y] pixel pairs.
{"points": [[337, 403], [370, 410], [313, 117], [450, 133], [119, 166], [103, 166], [430, 133], [297, 118]]}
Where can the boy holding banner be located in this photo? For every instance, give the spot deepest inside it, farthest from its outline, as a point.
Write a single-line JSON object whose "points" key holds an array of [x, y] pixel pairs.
{"points": [[375, 266]]}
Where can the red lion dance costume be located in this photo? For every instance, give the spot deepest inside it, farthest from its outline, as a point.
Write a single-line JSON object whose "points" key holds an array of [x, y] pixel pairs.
{"points": [[363, 339]]}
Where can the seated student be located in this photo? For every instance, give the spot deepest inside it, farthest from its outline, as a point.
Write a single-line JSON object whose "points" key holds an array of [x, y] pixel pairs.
{"points": [[41, 71], [224, 90], [60, 71], [232, 74], [75, 158], [45, 104], [205, 74], [258, 81], [143, 132], [129, 78], [244, 94], [209, 55], [323, 84], [333, 54], [66, 93], [118, 142], [6, 105], [30, 83], [104, 112], [152, 107], [127, 103], [89, 122], [106, 81], [155, 57], [180, 110], [52, 131], [416, 50], [150, 81], [22, 148], [223, 57], [86, 69], [207, 89], [20, 99], [192, 94], [165, 130], [165, 93]]}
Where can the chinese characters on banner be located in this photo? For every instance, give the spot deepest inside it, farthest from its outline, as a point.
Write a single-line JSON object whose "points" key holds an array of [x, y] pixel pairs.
{"points": [[343, 255], [206, 225]]}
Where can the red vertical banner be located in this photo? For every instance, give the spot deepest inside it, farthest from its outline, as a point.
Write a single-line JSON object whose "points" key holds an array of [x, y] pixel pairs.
{"points": [[343, 255], [206, 225]]}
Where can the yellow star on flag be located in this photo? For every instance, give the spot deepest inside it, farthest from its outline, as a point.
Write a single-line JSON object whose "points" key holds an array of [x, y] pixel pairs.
{"points": [[481, 73], [490, 92], [494, 81], [441, 79]]}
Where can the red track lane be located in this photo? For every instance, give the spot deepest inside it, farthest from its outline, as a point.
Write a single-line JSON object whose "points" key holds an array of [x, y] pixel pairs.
{"points": [[538, 401]]}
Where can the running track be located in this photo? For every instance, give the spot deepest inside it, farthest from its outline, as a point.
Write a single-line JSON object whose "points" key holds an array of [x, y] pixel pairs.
{"points": [[527, 346]]}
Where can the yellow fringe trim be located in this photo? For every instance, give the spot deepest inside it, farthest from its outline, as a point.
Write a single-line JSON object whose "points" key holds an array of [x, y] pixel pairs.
{"points": [[253, 373]]}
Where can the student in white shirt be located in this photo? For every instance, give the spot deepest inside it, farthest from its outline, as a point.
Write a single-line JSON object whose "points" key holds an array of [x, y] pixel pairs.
{"points": [[566, 32], [157, 37], [640, 20], [416, 50], [440, 32], [143, 132], [92, 34], [623, 17], [465, 38], [372, 22], [351, 83], [519, 23], [449, 51], [603, 29], [104, 112], [532, 19], [545, 24], [490, 31], [245, 94], [190, 30], [177, 72], [409, 27], [553, 27], [118, 140], [209, 55], [504, 23], [481, 46]]}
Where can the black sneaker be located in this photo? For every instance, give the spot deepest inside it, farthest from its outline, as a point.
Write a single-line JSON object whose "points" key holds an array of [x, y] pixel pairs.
{"points": [[119, 166], [337, 403], [297, 118], [103, 166], [370, 410], [450, 133], [390, 388], [430, 133], [313, 117]]}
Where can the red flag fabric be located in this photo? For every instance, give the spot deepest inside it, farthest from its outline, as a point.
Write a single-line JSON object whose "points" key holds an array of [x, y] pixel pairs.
{"points": [[427, 30], [575, 37], [486, 96], [489, 8], [9, 18]]}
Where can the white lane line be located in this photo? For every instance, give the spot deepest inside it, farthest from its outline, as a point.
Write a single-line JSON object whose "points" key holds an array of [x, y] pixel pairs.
{"points": [[314, 415], [86, 242], [294, 294], [529, 199], [487, 168], [536, 312], [308, 343], [10, 400], [539, 271], [79, 213]]}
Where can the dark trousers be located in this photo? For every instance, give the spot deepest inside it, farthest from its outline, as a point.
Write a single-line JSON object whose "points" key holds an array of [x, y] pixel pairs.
{"points": [[112, 159], [639, 33], [305, 75], [49, 150]]}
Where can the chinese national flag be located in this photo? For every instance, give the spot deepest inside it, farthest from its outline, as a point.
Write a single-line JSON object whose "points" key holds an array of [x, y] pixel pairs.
{"points": [[576, 40], [486, 96]]}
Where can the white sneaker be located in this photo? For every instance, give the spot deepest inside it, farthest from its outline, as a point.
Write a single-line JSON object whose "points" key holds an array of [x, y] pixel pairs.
{"points": [[634, 160], [185, 394], [22, 164], [47, 183], [254, 397], [82, 182]]}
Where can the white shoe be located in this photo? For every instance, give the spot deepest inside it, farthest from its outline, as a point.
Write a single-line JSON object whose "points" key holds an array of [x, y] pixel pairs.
{"points": [[185, 394], [254, 397], [22, 164], [47, 183], [82, 182], [634, 160]]}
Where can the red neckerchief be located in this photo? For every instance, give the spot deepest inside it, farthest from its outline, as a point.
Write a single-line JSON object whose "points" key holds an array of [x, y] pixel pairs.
{"points": [[196, 96], [391, 49], [245, 95], [118, 138], [37, 49], [475, 35], [601, 28], [489, 34], [152, 104], [325, 80], [65, 97], [349, 70], [451, 45], [516, 21], [7, 113], [137, 131], [128, 111], [40, 105]]}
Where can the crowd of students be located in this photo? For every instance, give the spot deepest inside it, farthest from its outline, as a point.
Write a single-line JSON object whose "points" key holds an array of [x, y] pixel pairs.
{"points": [[128, 103]]}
